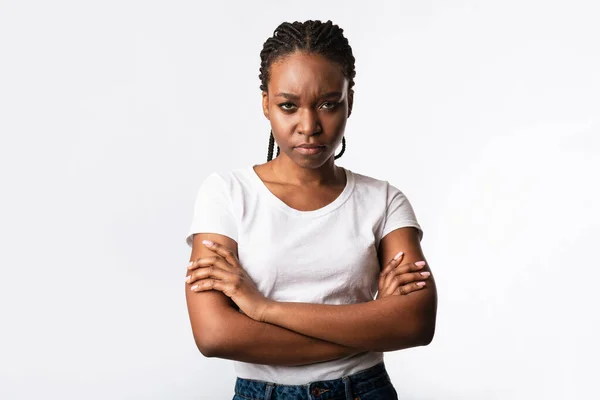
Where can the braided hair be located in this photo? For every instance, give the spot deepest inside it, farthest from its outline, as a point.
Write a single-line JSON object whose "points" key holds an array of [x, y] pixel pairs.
{"points": [[323, 38]]}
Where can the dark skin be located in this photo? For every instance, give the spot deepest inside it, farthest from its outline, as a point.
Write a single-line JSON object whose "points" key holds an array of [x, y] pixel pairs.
{"points": [[308, 101], [314, 109]]}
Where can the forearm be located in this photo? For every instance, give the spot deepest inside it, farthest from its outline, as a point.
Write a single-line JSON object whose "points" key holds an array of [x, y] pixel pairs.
{"points": [[387, 324], [263, 343]]}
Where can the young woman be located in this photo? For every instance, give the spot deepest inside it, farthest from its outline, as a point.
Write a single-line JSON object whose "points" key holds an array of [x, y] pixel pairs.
{"points": [[287, 256]]}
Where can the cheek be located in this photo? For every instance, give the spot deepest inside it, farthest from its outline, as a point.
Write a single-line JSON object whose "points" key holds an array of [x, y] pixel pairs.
{"points": [[279, 126], [282, 123], [334, 121]]}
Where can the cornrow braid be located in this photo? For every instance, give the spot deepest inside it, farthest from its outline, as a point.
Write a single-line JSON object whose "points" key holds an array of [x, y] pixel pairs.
{"points": [[324, 38]]}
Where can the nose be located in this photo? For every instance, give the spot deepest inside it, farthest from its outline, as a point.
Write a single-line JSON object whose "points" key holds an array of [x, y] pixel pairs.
{"points": [[309, 122]]}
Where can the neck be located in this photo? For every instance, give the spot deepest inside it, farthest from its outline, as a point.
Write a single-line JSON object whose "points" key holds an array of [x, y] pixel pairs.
{"points": [[288, 171]]}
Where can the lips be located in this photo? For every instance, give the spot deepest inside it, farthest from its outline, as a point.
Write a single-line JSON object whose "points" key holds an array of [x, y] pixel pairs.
{"points": [[310, 150], [310, 146]]}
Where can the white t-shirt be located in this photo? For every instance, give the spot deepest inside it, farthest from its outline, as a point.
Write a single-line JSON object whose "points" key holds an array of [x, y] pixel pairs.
{"points": [[326, 256]]}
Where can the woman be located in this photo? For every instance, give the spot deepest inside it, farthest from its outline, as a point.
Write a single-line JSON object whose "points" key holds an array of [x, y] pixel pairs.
{"points": [[288, 255]]}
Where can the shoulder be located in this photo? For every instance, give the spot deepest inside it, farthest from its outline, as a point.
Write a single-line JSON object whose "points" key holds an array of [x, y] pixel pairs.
{"points": [[366, 182], [233, 186], [229, 179], [375, 186], [396, 210]]}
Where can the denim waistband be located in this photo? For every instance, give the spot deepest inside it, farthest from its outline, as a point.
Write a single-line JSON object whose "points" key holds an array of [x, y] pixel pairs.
{"points": [[345, 387]]}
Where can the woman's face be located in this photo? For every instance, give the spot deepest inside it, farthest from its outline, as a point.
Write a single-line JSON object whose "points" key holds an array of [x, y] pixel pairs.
{"points": [[307, 102]]}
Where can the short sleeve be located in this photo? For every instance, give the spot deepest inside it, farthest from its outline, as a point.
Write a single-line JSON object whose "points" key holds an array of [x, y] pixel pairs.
{"points": [[213, 210], [399, 212]]}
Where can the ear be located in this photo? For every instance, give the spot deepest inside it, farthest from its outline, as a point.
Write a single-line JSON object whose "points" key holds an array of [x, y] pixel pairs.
{"points": [[265, 104], [350, 101]]}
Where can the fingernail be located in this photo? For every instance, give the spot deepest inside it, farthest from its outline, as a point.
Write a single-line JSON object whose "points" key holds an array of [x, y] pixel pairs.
{"points": [[207, 242], [397, 256], [187, 278], [420, 263], [425, 273], [190, 264], [194, 287], [418, 284]]}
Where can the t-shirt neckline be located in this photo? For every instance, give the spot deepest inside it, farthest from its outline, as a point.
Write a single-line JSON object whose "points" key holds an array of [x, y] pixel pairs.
{"points": [[277, 202]]}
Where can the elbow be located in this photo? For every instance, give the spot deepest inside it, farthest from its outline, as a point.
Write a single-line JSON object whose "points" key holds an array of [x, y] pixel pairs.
{"points": [[425, 330], [209, 341], [425, 338], [414, 335], [207, 346], [425, 333]]}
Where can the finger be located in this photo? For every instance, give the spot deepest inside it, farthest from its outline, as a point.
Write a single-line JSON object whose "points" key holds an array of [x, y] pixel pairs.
{"points": [[217, 260], [380, 282], [209, 284], [192, 265], [408, 267], [409, 277], [392, 263], [223, 251], [396, 278], [390, 284], [209, 271], [412, 287]]}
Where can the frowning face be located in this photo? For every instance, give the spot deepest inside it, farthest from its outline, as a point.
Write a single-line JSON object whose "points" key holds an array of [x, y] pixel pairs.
{"points": [[307, 102]]}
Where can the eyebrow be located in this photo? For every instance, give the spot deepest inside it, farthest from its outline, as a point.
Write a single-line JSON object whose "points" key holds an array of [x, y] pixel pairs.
{"points": [[291, 96]]}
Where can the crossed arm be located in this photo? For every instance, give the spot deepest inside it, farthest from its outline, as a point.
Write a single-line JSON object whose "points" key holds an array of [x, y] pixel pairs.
{"points": [[304, 333]]}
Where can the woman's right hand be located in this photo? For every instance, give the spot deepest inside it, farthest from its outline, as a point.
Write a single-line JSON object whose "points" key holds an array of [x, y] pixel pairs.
{"points": [[396, 279]]}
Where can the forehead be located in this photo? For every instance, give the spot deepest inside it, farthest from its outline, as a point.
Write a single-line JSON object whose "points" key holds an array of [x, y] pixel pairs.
{"points": [[303, 73]]}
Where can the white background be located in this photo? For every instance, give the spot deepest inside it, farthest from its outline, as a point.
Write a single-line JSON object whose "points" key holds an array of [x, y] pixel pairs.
{"points": [[486, 115]]}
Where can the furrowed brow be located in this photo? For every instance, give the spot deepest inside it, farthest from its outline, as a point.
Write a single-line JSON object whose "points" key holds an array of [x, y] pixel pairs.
{"points": [[331, 94], [288, 96], [291, 96]]}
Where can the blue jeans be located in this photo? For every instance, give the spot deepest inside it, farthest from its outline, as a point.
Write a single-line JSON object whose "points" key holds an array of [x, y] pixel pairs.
{"points": [[369, 384]]}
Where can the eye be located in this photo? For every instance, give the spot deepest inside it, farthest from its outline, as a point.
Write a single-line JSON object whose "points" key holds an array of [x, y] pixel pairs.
{"points": [[329, 105], [286, 106]]}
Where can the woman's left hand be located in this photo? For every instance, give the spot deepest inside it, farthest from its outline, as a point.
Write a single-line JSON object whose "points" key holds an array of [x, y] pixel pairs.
{"points": [[225, 274]]}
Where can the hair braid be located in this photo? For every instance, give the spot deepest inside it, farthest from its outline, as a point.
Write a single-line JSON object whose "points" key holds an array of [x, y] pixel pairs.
{"points": [[324, 38]]}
